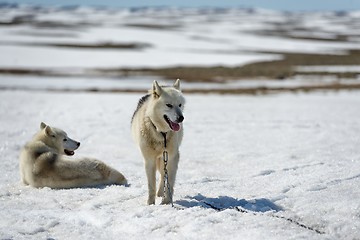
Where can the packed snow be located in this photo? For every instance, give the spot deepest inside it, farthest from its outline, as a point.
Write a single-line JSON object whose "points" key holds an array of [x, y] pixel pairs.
{"points": [[289, 163]]}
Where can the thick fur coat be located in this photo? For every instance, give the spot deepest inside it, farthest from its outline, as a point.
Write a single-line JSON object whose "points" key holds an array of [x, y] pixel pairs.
{"points": [[43, 163], [159, 113]]}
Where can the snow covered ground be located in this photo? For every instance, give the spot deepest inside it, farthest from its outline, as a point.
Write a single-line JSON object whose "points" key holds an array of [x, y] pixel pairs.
{"points": [[283, 166], [281, 157], [351, 68]]}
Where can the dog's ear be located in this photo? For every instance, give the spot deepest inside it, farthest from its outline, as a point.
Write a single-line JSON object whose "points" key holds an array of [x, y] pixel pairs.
{"points": [[49, 131], [177, 84], [42, 125], [157, 90]]}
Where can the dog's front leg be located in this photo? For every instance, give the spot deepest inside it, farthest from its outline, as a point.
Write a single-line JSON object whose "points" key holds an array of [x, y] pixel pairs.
{"points": [[150, 167], [172, 169], [160, 192]]}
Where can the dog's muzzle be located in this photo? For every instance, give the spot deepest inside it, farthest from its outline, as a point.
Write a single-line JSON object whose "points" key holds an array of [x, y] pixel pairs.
{"points": [[175, 126]]}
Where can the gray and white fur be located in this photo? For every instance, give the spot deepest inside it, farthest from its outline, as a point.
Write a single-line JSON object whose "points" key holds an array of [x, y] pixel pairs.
{"points": [[159, 112], [43, 163]]}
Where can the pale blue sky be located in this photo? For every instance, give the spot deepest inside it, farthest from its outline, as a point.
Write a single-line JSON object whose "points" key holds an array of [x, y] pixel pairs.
{"points": [[292, 5]]}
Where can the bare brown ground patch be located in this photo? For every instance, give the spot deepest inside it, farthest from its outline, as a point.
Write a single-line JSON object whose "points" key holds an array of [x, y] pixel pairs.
{"points": [[99, 45], [278, 69]]}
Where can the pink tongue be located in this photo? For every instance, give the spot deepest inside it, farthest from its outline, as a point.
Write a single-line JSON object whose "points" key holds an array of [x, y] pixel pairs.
{"points": [[175, 126]]}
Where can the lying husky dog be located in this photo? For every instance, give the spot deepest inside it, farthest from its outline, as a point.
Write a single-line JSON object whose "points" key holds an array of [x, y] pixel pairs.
{"points": [[42, 163], [158, 115]]}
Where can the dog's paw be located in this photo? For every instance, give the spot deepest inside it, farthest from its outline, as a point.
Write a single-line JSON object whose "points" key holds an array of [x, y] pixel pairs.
{"points": [[160, 192], [165, 201], [151, 201]]}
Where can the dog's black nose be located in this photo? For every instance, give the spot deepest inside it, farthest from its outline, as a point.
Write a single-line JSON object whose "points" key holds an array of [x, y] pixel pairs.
{"points": [[180, 119], [78, 144]]}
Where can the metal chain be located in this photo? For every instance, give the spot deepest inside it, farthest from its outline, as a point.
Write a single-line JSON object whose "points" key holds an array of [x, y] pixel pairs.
{"points": [[166, 178], [243, 210], [166, 175]]}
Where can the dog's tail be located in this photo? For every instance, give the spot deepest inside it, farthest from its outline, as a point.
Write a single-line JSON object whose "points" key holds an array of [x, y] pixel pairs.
{"points": [[117, 178], [111, 175]]}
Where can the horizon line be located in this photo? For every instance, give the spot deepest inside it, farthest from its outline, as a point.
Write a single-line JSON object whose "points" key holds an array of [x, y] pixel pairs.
{"points": [[4, 4]]}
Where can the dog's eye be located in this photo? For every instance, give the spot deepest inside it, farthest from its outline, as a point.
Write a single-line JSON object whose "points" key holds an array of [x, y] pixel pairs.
{"points": [[169, 105], [65, 140], [53, 136], [180, 105]]}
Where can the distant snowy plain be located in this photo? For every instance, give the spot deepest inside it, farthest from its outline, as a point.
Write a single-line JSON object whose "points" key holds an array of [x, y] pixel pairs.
{"points": [[279, 157], [177, 37], [30, 39]]}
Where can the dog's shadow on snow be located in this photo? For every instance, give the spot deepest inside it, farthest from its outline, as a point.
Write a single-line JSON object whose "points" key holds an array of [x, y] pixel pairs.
{"points": [[225, 202]]}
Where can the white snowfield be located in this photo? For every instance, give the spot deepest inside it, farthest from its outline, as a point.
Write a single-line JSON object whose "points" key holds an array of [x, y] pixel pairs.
{"points": [[275, 166]]}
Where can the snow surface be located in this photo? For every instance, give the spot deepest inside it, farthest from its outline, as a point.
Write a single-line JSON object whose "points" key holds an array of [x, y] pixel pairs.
{"points": [[334, 69], [286, 160], [278, 156]]}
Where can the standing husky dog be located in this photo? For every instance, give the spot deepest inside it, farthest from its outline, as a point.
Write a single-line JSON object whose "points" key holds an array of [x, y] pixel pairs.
{"points": [[42, 163], [159, 114]]}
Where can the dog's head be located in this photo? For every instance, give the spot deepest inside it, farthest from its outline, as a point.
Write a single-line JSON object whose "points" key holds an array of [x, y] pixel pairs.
{"points": [[167, 107], [58, 140]]}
